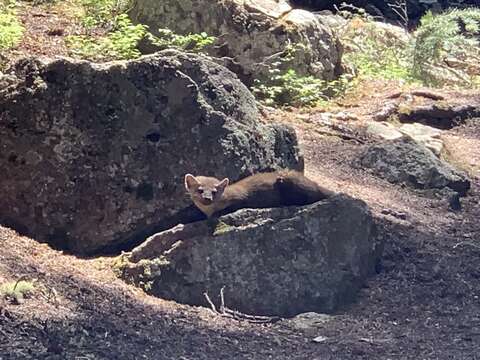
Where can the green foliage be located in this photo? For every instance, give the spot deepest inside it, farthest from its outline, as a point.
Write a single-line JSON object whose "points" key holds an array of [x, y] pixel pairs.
{"points": [[111, 35], [376, 52], [192, 42], [16, 290], [103, 13], [284, 86], [444, 51], [120, 44], [288, 88], [11, 30], [447, 48]]}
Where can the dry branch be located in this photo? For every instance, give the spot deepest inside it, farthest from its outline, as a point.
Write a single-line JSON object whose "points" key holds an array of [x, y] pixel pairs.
{"points": [[237, 315]]}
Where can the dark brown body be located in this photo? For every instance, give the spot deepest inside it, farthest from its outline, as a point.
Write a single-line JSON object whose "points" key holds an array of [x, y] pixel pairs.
{"points": [[263, 190]]}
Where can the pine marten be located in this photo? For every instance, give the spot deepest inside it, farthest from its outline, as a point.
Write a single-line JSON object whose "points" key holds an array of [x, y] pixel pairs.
{"points": [[263, 190]]}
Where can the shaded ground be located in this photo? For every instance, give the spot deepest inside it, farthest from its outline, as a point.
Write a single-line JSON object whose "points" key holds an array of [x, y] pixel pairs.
{"points": [[423, 304]]}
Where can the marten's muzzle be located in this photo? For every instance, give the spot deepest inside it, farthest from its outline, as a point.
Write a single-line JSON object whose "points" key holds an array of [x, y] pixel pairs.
{"points": [[207, 198]]}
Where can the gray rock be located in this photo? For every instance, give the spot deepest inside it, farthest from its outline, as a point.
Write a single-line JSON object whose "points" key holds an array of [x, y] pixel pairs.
{"points": [[309, 321], [252, 32], [383, 130], [423, 134], [94, 155], [281, 261], [406, 161]]}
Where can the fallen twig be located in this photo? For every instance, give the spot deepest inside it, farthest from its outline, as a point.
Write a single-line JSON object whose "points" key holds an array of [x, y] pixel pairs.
{"points": [[237, 315], [466, 243], [212, 305], [222, 299]]}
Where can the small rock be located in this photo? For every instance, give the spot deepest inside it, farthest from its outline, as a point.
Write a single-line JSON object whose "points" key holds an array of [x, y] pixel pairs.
{"points": [[345, 116], [383, 130], [398, 214], [309, 320], [320, 339]]}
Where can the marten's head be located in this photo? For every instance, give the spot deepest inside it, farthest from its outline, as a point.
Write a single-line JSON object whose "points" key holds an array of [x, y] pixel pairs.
{"points": [[205, 191]]}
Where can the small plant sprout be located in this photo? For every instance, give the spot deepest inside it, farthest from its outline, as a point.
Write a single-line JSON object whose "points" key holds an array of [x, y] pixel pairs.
{"points": [[17, 290]]}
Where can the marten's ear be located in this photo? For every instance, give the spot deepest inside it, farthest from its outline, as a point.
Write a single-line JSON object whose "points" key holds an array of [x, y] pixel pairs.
{"points": [[222, 184], [190, 181]]}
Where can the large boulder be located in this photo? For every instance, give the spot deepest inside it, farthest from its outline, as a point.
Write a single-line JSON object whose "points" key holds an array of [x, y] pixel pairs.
{"points": [[406, 161], [251, 34], [94, 155], [280, 261]]}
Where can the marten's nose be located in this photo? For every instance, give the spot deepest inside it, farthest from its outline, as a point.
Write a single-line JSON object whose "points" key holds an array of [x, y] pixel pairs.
{"points": [[208, 196]]}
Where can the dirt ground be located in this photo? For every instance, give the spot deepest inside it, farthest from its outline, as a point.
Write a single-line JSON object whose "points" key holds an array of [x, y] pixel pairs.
{"points": [[423, 304]]}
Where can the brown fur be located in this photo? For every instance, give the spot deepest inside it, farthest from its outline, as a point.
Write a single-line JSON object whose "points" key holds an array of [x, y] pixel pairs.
{"points": [[263, 190]]}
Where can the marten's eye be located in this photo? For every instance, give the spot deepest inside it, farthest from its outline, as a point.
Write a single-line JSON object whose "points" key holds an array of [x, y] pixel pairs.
{"points": [[200, 191]]}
